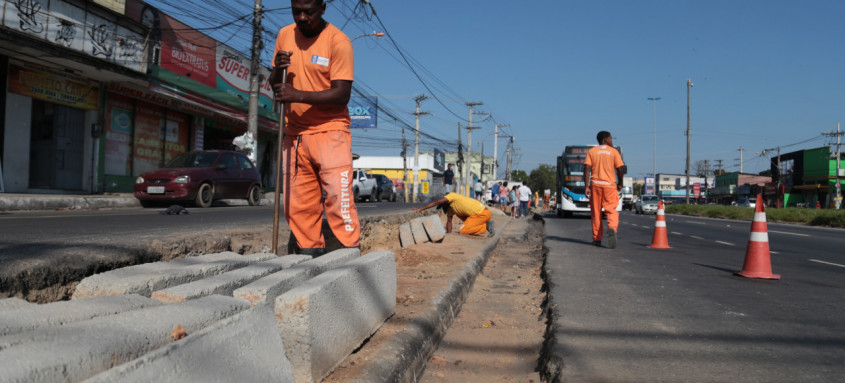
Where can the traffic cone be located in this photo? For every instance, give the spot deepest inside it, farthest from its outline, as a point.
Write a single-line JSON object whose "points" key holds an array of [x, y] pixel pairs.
{"points": [[660, 240], [758, 263]]}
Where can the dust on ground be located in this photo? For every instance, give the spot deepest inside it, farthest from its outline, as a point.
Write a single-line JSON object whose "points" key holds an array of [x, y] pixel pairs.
{"points": [[504, 305]]}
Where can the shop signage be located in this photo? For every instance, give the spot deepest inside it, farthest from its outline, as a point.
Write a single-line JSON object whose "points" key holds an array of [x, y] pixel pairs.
{"points": [[118, 6], [233, 75], [52, 87], [363, 112], [96, 34]]}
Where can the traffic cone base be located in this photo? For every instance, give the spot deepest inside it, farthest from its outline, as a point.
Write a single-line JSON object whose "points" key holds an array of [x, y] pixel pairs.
{"points": [[758, 263], [660, 239]]}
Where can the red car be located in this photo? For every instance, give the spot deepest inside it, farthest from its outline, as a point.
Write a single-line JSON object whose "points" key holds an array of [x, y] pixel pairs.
{"points": [[202, 177]]}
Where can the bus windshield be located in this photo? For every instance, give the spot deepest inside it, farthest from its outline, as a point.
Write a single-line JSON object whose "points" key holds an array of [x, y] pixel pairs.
{"points": [[573, 168]]}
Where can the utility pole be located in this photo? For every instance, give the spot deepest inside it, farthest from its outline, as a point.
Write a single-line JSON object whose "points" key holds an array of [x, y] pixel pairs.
{"points": [[460, 160], [510, 159], [689, 85], [404, 166], [706, 170], [469, 145], [496, 147], [741, 149], [254, 80], [419, 99], [654, 113], [838, 156]]}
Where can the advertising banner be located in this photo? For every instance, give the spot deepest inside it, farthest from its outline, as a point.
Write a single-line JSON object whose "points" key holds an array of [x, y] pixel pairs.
{"points": [[363, 112], [147, 137], [52, 87], [233, 72]]}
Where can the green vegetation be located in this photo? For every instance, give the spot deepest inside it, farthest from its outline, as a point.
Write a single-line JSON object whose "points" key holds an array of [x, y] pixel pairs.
{"points": [[812, 217]]}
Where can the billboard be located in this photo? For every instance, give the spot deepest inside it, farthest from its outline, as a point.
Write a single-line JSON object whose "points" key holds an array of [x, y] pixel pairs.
{"points": [[363, 112]]}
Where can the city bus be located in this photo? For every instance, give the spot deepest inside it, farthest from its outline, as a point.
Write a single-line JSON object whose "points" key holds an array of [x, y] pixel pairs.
{"points": [[569, 191]]}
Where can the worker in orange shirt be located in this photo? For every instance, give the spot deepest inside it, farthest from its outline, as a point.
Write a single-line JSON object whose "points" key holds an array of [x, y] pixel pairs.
{"points": [[477, 218], [603, 167], [317, 152]]}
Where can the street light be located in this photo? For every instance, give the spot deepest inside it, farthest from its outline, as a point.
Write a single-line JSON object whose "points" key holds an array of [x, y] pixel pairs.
{"points": [[374, 33], [654, 111], [689, 85]]}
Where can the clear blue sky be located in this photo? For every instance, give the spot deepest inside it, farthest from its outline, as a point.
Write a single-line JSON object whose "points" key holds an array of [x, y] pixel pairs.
{"points": [[766, 74]]}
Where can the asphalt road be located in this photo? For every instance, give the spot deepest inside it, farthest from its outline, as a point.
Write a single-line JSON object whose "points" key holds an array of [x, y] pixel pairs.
{"points": [[635, 314]]}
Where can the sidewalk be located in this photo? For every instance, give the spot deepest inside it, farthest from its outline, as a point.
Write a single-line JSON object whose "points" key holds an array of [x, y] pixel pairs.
{"points": [[23, 202]]}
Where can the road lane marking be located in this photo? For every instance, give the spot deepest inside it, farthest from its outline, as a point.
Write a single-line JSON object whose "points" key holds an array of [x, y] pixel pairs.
{"points": [[692, 236], [697, 223], [826, 263], [774, 252], [676, 233], [726, 243], [785, 232]]}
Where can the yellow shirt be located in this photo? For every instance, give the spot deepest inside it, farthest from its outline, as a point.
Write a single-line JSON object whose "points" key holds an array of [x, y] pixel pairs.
{"points": [[464, 207]]}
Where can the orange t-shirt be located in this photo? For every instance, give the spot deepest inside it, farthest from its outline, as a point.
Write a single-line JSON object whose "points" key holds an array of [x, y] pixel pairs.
{"points": [[603, 161], [314, 64]]}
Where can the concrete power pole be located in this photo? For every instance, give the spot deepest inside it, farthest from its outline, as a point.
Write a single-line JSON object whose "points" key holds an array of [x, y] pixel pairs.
{"points": [[689, 85], [496, 148], [741, 150], [404, 167], [469, 147], [419, 99], [254, 82]]}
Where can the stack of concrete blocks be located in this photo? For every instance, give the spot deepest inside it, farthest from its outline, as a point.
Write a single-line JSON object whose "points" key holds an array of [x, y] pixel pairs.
{"points": [[421, 230], [120, 334]]}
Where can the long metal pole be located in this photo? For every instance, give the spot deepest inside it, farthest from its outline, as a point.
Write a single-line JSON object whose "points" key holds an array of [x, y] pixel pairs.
{"points": [[838, 200], [279, 167], [689, 85], [255, 65], [654, 112]]}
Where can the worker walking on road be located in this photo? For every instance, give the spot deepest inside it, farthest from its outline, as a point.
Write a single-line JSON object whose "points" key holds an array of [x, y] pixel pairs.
{"points": [[477, 218], [317, 145], [602, 169]]}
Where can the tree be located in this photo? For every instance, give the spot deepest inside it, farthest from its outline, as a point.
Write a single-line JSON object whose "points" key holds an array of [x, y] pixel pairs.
{"points": [[519, 175], [719, 172], [700, 169], [542, 178], [767, 173]]}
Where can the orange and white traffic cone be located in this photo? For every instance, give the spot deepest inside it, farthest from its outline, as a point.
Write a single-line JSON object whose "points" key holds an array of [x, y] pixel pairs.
{"points": [[660, 239], [758, 262]]}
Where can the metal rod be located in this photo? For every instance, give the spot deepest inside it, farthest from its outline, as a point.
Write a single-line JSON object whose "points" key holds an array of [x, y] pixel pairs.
{"points": [[279, 167]]}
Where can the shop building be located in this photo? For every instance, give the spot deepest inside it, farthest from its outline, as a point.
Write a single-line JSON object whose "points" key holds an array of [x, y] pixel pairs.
{"points": [[805, 178]]}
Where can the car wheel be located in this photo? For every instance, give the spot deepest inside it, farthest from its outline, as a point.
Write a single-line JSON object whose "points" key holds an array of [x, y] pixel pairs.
{"points": [[374, 195], [205, 196], [356, 195], [393, 197], [254, 197]]}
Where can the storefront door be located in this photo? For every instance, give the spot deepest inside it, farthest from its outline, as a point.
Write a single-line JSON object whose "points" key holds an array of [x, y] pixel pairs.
{"points": [[57, 146]]}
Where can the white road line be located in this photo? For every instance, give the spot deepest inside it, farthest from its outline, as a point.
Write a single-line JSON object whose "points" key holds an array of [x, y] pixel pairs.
{"points": [[697, 223], [676, 233], [826, 263], [645, 227], [774, 252], [692, 236], [784, 232], [725, 243]]}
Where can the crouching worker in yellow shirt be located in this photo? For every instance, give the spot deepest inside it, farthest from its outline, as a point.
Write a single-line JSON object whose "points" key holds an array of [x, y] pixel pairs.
{"points": [[476, 216]]}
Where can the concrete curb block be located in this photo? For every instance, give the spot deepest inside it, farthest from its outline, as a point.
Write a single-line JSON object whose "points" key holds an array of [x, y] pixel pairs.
{"points": [[323, 320], [265, 290], [243, 348], [405, 356], [418, 230], [226, 283], [406, 237], [146, 278], [82, 349], [434, 228], [54, 314]]}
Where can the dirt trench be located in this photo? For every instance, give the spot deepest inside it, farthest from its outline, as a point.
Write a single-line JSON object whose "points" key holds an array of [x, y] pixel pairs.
{"points": [[41, 281]]}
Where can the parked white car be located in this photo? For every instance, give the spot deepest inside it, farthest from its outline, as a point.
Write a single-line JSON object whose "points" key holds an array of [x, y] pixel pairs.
{"points": [[647, 204], [747, 202], [363, 186]]}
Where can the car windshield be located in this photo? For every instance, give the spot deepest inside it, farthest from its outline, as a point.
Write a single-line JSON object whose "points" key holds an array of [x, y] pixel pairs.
{"points": [[649, 198], [193, 160]]}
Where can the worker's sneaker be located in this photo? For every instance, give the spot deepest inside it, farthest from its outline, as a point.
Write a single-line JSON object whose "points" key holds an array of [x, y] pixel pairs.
{"points": [[597, 243], [611, 238], [490, 232]]}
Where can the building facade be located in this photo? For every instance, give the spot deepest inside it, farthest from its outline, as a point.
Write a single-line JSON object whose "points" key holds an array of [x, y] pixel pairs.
{"points": [[805, 178]]}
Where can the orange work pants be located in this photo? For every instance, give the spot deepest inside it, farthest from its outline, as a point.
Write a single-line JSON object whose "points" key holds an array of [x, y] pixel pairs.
{"points": [[313, 162], [476, 224], [608, 198]]}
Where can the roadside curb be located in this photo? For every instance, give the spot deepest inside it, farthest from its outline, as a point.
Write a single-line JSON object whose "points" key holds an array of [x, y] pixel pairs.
{"points": [[404, 357]]}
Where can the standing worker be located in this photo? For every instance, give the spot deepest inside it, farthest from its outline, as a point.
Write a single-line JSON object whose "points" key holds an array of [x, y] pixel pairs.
{"points": [[602, 168], [477, 218], [317, 148], [524, 193], [448, 178]]}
